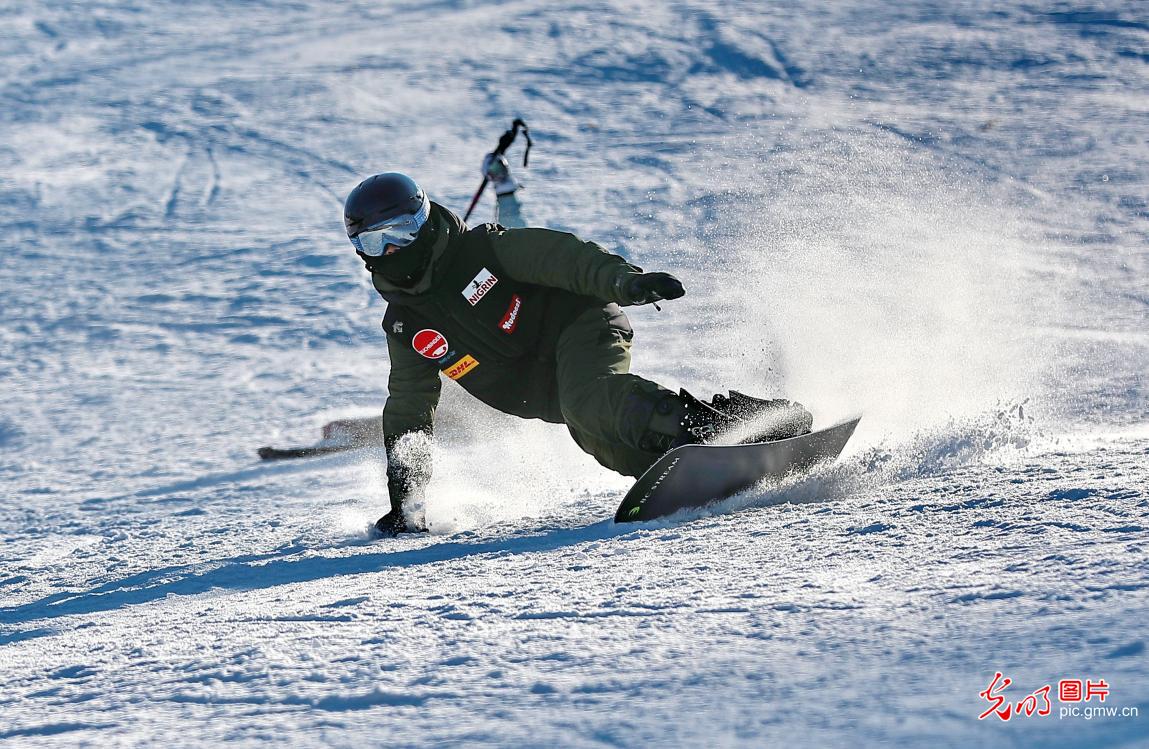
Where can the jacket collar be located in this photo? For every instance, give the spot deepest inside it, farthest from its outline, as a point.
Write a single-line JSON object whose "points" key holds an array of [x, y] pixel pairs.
{"points": [[449, 227]]}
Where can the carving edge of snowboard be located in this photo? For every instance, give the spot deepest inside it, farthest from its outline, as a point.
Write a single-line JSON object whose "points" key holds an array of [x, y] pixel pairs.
{"points": [[823, 445]]}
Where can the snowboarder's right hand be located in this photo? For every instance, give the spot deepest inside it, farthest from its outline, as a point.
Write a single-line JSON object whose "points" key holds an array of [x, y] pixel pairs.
{"points": [[395, 522], [646, 288]]}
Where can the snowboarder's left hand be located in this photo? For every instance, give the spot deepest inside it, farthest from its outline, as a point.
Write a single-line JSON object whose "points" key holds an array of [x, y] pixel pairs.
{"points": [[646, 288]]}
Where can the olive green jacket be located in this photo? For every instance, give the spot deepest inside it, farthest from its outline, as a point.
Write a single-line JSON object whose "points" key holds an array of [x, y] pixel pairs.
{"points": [[534, 256]]}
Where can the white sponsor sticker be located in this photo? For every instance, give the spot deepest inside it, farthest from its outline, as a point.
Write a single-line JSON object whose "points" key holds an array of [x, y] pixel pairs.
{"points": [[479, 286]]}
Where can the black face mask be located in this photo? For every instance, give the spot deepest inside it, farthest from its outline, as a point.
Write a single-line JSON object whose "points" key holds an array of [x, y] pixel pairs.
{"points": [[407, 265]]}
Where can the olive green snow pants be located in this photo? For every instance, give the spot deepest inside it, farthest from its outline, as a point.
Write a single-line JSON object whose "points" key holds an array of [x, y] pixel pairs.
{"points": [[607, 410]]}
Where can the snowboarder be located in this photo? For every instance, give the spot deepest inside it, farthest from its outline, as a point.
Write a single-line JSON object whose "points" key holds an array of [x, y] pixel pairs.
{"points": [[527, 320]]}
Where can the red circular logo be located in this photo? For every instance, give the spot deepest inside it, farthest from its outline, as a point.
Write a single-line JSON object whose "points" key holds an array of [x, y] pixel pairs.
{"points": [[430, 343]]}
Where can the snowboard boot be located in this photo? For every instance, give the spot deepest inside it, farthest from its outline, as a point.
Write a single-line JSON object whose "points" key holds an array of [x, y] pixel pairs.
{"points": [[768, 420], [683, 420]]}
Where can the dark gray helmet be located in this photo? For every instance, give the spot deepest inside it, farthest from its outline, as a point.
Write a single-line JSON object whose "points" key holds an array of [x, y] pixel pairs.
{"points": [[390, 198], [386, 217]]}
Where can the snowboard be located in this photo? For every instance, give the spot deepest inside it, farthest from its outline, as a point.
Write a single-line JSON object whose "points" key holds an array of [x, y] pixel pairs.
{"points": [[694, 476]]}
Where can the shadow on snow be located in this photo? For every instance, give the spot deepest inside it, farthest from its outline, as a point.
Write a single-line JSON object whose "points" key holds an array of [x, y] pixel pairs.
{"points": [[256, 572]]}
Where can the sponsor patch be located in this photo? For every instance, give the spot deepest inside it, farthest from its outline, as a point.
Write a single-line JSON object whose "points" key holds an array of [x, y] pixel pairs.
{"points": [[430, 343], [479, 286], [397, 327], [511, 319], [461, 367]]}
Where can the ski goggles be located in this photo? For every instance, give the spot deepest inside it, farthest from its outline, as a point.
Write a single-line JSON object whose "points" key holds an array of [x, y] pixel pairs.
{"points": [[398, 230]]}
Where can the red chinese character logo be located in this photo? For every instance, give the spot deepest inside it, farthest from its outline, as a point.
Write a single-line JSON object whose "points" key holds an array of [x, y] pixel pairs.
{"points": [[996, 700], [1069, 690], [1036, 703], [1098, 689], [1029, 704]]}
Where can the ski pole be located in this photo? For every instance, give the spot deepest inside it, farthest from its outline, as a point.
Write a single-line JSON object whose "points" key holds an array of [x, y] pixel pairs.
{"points": [[504, 143]]}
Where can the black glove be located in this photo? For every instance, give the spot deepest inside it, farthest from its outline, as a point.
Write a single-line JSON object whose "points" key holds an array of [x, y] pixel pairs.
{"points": [[395, 522], [399, 488], [653, 287], [407, 477]]}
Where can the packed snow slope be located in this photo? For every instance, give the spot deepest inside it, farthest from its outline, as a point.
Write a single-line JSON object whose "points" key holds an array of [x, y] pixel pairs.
{"points": [[933, 213]]}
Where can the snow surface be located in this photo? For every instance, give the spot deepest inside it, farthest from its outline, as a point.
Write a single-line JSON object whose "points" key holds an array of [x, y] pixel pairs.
{"points": [[936, 213]]}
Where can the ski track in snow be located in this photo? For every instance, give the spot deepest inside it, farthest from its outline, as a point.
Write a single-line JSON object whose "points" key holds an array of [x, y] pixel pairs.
{"points": [[934, 213]]}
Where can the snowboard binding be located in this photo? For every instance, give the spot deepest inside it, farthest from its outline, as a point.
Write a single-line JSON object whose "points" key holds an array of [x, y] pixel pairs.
{"points": [[772, 419], [736, 418]]}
